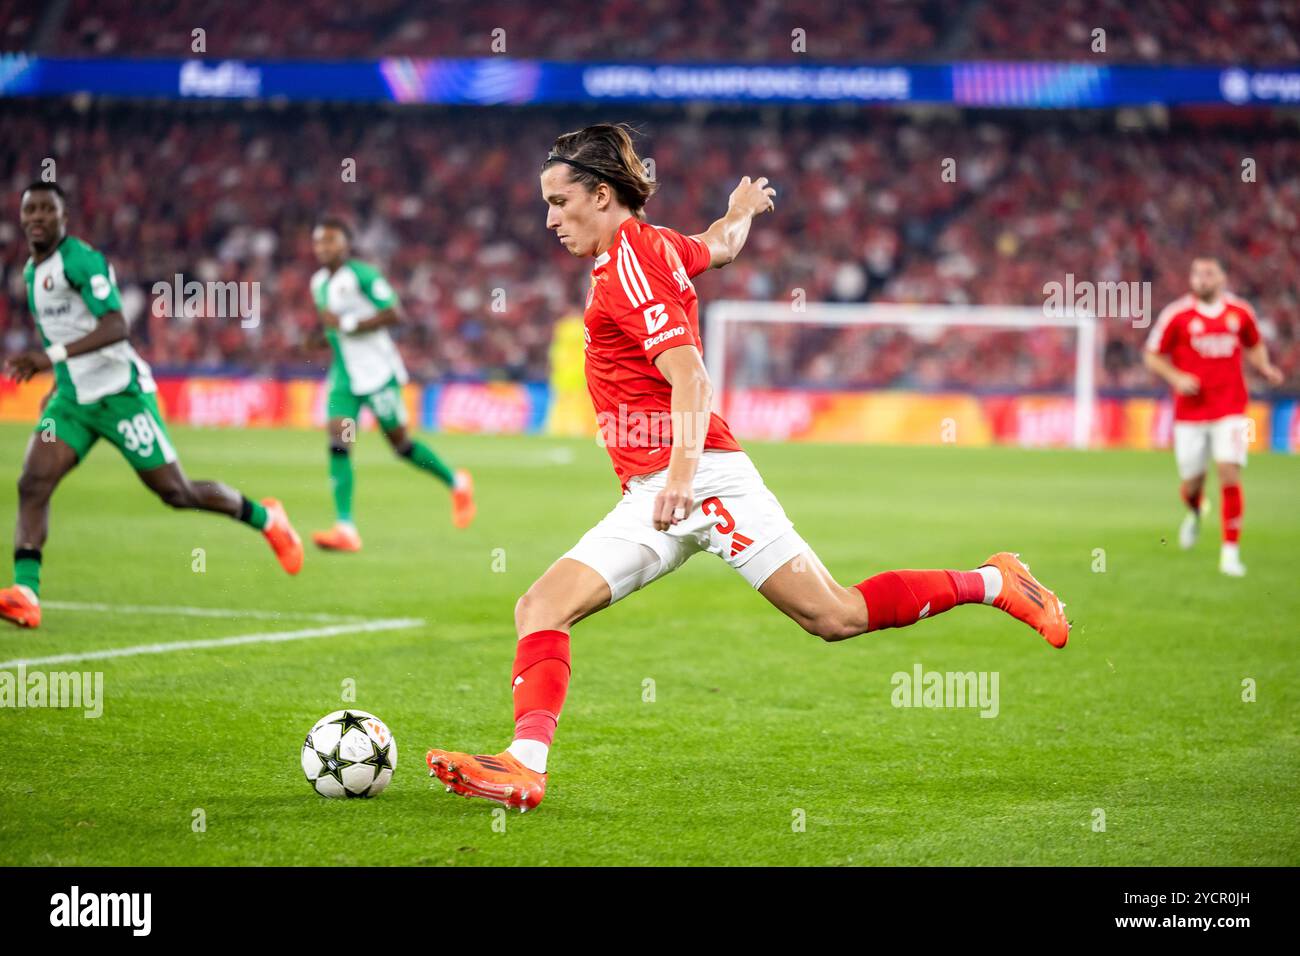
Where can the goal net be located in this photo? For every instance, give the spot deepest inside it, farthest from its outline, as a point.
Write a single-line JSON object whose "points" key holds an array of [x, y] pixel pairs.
{"points": [[765, 352]]}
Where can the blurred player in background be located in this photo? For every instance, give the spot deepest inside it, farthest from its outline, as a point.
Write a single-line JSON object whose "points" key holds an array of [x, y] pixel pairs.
{"points": [[687, 485], [102, 389], [1196, 346], [357, 305]]}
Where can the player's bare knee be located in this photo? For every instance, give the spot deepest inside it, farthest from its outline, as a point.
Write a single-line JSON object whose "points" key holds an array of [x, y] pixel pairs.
{"points": [[835, 628], [179, 496], [528, 611], [534, 611], [829, 624], [839, 621]]}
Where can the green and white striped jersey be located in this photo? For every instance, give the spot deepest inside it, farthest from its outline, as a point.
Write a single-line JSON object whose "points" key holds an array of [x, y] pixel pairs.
{"points": [[68, 293], [354, 292]]}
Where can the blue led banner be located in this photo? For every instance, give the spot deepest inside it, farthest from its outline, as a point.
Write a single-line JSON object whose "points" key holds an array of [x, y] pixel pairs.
{"points": [[501, 80]]}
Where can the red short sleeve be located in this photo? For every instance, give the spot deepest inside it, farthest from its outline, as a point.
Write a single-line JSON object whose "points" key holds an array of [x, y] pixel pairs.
{"points": [[691, 250]]}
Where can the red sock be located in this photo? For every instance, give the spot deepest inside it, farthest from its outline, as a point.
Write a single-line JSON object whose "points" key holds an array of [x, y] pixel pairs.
{"points": [[900, 598], [1232, 508], [1192, 501], [540, 681]]}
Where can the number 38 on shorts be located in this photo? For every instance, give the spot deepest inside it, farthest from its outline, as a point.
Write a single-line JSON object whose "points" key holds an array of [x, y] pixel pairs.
{"points": [[130, 420]]}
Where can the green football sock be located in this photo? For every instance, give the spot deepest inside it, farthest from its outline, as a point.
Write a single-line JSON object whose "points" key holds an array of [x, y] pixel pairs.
{"points": [[422, 456], [27, 568], [341, 482], [252, 513]]}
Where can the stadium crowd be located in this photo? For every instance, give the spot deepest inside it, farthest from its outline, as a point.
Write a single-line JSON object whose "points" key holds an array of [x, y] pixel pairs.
{"points": [[447, 201], [1228, 31]]}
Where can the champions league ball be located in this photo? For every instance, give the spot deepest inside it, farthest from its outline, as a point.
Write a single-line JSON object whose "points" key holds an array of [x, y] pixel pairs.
{"points": [[349, 753]]}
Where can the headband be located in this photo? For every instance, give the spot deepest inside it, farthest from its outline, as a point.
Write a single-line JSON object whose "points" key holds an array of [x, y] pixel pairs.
{"points": [[557, 158]]}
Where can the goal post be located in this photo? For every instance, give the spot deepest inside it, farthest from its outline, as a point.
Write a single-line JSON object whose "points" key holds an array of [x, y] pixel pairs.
{"points": [[723, 315]]}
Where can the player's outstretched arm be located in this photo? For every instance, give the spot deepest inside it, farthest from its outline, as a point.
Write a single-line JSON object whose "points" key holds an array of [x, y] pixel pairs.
{"points": [[726, 237], [110, 329]]}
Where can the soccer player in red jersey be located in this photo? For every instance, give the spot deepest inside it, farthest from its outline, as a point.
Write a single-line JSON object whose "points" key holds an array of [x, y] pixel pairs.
{"points": [[687, 485], [1196, 346]]}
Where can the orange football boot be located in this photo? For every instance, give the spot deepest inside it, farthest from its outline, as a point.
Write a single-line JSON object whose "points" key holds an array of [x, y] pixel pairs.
{"points": [[501, 778], [283, 539], [462, 499], [1026, 600], [341, 537], [18, 608]]}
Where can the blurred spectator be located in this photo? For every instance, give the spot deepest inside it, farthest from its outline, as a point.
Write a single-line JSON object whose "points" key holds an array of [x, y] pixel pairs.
{"points": [[447, 202], [1148, 31]]}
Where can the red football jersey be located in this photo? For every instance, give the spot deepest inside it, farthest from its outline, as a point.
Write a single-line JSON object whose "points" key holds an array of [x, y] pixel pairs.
{"points": [[1207, 342], [642, 303]]}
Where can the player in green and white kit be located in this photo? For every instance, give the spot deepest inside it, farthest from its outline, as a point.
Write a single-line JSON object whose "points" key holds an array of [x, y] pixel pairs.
{"points": [[102, 389], [356, 306]]}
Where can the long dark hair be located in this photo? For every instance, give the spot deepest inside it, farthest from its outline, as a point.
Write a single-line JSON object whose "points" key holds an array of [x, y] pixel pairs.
{"points": [[604, 153]]}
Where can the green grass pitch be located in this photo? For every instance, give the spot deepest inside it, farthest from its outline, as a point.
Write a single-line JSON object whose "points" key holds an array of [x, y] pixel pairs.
{"points": [[762, 745]]}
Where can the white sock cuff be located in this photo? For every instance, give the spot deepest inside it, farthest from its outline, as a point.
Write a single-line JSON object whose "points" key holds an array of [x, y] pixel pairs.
{"points": [[992, 582], [530, 753]]}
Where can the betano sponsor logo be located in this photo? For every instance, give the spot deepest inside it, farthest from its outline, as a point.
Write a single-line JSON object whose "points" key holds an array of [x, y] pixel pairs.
{"points": [[664, 336], [655, 318]]}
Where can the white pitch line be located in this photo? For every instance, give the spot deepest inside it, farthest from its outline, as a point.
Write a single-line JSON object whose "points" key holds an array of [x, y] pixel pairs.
{"points": [[181, 611], [272, 637]]}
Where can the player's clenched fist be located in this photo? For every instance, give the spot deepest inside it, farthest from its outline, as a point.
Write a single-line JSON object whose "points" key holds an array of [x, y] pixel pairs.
{"points": [[753, 198], [673, 504]]}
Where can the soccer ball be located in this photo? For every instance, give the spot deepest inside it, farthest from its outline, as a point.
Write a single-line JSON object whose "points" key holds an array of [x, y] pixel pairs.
{"points": [[349, 753]]}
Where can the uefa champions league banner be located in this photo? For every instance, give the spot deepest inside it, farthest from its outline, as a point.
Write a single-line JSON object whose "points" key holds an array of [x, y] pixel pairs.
{"points": [[500, 80]]}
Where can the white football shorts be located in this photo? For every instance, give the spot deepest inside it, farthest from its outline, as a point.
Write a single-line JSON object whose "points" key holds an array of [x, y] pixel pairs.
{"points": [[1223, 440], [735, 517]]}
